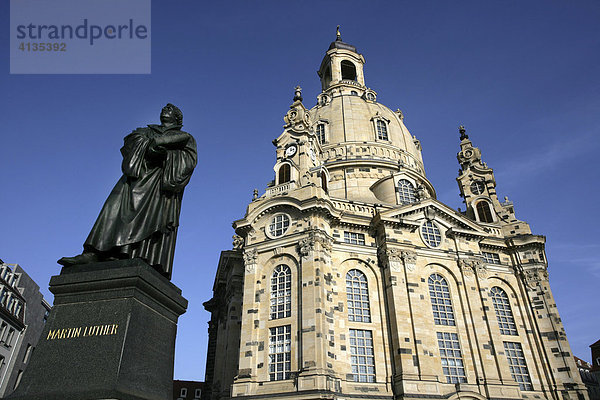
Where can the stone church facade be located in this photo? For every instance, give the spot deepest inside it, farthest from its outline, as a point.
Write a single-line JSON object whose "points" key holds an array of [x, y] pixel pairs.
{"points": [[349, 279]]}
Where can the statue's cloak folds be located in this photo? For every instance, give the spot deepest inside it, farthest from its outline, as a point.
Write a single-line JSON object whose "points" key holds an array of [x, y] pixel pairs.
{"points": [[141, 215]]}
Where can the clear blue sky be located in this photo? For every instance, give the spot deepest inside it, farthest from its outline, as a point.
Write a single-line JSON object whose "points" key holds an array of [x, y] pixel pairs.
{"points": [[522, 76]]}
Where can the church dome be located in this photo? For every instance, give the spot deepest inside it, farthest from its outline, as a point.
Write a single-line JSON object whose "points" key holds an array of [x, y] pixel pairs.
{"points": [[370, 130], [365, 146]]}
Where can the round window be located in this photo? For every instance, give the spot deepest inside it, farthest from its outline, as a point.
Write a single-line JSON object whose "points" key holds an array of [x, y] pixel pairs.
{"points": [[431, 234], [278, 226], [370, 96], [477, 187]]}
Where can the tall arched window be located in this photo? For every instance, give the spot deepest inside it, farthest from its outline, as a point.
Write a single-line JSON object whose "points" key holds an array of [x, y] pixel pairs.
{"points": [[440, 300], [281, 292], [321, 133], [324, 182], [484, 212], [348, 70], [358, 296], [406, 192], [326, 77], [382, 133], [284, 173], [506, 321]]}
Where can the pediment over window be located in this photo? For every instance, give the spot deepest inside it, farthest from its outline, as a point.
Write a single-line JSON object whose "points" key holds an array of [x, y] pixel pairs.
{"points": [[430, 209]]}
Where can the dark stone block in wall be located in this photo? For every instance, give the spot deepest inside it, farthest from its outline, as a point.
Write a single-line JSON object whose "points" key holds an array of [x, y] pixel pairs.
{"points": [[110, 335]]}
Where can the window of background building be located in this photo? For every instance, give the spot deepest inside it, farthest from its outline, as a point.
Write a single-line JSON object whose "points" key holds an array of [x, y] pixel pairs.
{"points": [[3, 330], [19, 375], [27, 353], [280, 352], [362, 357], [281, 292], [357, 293], [9, 338]]}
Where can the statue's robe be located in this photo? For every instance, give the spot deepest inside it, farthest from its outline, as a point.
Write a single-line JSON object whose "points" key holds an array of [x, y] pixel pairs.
{"points": [[141, 215]]}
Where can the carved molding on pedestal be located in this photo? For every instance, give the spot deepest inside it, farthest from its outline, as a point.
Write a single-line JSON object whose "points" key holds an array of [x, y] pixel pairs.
{"points": [[533, 276], [316, 240], [238, 242], [250, 260], [395, 258], [470, 265], [410, 259]]}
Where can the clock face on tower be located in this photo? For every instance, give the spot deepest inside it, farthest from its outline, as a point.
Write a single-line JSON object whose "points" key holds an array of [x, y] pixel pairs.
{"points": [[291, 150]]}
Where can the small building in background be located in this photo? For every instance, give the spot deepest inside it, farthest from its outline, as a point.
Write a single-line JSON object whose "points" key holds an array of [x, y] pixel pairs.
{"points": [[184, 390], [589, 380], [596, 358], [23, 313], [595, 370]]}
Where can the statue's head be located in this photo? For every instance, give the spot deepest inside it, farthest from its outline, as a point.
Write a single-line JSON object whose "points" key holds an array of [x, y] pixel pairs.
{"points": [[171, 114]]}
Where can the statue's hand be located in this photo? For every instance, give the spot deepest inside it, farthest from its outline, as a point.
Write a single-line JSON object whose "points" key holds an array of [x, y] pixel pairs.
{"points": [[172, 140], [156, 153]]}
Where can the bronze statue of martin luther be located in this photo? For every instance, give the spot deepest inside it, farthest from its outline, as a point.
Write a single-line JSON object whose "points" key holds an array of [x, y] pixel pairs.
{"points": [[141, 215]]}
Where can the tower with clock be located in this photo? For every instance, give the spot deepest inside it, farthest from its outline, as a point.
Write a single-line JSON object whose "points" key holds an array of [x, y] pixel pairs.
{"points": [[348, 279]]}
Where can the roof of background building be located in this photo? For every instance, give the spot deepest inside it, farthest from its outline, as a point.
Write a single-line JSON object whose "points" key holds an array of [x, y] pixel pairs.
{"points": [[582, 363]]}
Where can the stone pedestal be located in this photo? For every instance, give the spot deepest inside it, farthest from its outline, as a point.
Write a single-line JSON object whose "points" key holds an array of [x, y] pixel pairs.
{"points": [[110, 335]]}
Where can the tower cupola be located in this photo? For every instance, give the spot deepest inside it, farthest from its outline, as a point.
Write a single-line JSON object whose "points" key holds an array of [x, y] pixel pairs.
{"points": [[342, 66]]}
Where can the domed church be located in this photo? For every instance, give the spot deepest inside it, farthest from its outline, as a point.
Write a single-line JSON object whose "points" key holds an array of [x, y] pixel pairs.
{"points": [[348, 279]]}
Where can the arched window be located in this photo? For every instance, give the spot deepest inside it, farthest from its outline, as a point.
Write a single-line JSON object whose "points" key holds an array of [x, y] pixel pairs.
{"points": [[484, 212], [281, 292], [406, 192], [358, 296], [348, 70], [324, 181], [440, 300], [321, 133], [326, 77], [382, 133], [506, 321], [284, 173]]}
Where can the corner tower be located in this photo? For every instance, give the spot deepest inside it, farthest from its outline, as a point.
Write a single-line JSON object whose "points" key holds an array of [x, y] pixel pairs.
{"points": [[348, 278]]}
